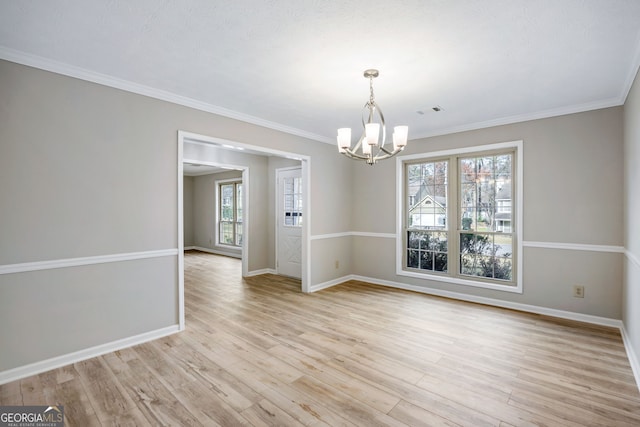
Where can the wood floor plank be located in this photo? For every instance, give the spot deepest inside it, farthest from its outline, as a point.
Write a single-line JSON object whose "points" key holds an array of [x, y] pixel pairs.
{"points": [[265, 413], [106, 394], [342, 403], [413, 415], [257, 351], [11, 393]]}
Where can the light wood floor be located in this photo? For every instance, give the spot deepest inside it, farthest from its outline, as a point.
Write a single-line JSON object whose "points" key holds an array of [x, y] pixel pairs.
{"points": [[259, 352]]}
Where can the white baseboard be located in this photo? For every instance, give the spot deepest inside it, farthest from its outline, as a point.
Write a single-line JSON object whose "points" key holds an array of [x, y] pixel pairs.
{"points": [[570, 315], [213, 251], [330, 283], [631, 355], [262, 271], [67, 359]]}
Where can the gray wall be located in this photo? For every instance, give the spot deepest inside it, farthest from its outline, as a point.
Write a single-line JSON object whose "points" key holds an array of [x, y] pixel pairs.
{"points": [[631, 291], [87, 170], [572, 194]]}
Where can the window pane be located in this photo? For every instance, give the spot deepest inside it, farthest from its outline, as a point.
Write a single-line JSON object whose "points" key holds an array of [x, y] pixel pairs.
{"points": [[288, 185], [485, 200], [239, 234], [468, 171], [288, 202], [486, 255], [427, 191], [427, 250], [413, 240], [226, 233], [226, 197], [503, 245], [502, 269], [413, 259], [503, 167], [440, 262], [469, 265], [426, 260]]}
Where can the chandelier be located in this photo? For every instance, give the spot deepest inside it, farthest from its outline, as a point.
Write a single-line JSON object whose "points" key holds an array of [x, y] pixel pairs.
{"points": [[372, 147]]}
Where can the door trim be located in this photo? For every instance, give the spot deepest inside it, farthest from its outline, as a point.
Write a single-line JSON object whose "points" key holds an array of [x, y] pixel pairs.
{"points": [[184, 136]]}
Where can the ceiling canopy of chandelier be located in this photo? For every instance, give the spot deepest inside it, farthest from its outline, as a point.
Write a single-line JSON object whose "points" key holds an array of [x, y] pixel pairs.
{"points": [[371, 145]]}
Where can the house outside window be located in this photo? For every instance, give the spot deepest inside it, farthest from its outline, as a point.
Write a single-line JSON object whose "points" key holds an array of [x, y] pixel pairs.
{"points": [[230, 213], [458, 216]]}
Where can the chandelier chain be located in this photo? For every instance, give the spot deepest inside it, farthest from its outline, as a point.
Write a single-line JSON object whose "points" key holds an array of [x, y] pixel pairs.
{"points": [[371, 97]]}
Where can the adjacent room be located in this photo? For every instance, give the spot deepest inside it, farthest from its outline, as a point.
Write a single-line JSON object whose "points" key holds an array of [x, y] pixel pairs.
{"points": [[320, 213]]}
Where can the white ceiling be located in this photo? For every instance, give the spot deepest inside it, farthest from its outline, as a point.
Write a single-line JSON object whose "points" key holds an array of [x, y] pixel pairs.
{"points": [[297, 65], [193, 169]]}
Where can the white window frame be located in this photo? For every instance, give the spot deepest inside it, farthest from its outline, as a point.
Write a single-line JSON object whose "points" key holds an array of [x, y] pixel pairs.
{"points": [[218, 183], [517, 218]]}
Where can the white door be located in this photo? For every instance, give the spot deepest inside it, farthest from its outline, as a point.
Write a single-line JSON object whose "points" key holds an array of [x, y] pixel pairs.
{"points": [[289, 217]]}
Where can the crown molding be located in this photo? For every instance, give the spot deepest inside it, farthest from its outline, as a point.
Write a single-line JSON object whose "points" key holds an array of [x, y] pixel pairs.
{"points": [[46, 64], [519, 118], [42, 63]]}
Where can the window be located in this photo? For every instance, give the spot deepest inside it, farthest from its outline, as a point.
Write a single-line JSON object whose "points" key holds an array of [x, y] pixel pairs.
{"points": [[230, 213], [458, 216], [292, 192]]}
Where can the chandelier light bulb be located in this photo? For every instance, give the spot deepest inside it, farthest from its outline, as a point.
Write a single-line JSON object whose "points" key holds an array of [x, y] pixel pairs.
{"points": [[344, 139], [372, 130], [366, 148], [400, 137]]}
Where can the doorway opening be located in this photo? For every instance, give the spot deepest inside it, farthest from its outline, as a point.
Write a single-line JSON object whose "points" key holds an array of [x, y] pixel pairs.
{"points": [[258, 226]]}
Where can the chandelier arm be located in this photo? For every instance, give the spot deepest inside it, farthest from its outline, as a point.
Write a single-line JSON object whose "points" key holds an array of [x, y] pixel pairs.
{"points": [[354, 155], [383, 157], [390, 153]]}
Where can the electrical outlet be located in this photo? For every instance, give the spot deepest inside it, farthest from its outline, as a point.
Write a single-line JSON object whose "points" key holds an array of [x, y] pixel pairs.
{"points": [[578, 291], [337, 264]]}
